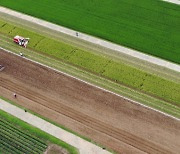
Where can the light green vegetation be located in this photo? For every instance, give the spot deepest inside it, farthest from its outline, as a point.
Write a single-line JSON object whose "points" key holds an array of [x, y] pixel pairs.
{"points": [[101, 65], [150, 26], [17, 136]]}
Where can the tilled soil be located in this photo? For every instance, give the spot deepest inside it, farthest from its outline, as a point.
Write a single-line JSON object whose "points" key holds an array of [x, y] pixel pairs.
{"points": [[104, 117]]}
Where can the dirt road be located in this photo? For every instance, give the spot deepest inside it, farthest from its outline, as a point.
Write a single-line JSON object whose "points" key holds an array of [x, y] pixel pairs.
{"points": [[106, 118]]}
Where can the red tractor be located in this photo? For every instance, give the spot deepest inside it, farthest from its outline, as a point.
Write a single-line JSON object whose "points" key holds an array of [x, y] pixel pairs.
{"points": [[21, 41]]}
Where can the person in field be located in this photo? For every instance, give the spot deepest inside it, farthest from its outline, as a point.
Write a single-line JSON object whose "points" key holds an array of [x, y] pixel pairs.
{"points": [[14, 95]]}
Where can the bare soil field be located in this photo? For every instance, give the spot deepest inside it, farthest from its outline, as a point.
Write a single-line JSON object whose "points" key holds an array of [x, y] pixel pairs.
{"points": [[101, 116]]}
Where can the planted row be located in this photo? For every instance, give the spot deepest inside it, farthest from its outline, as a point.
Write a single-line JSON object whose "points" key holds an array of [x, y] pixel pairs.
{"points": [[21, 134], [13, 138], [10, 146], [19, 142], [22, 137], [15, 143], [5, 149]]}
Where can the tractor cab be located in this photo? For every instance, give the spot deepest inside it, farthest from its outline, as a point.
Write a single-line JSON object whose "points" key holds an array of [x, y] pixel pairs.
{"points": [[21, 40]]}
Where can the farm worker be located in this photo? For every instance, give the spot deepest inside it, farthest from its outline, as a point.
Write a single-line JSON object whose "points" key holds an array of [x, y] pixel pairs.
{"points": [[76, 33], [21, 54], [15, 95]]}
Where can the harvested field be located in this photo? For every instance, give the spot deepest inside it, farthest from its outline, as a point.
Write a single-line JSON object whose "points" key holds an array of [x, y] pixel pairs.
{"points": [[104, 117]]}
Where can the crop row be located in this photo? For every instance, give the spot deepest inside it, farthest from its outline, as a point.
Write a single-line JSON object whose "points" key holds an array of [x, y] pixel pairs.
{"points": [[102, 65], [8, 148], [30, 133], [4, 148], [25, 136], [20, 142], [17, 141]]}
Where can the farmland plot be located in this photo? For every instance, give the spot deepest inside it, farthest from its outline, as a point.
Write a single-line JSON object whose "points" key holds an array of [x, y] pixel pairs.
{"points": [[84, 108], [149, 26], [14, 140], [101, 65], [17, 137]]}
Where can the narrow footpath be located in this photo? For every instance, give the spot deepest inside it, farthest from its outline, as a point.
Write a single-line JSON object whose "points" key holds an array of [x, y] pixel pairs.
{"points": [[82, 145], [173, 1], [92, 39]]}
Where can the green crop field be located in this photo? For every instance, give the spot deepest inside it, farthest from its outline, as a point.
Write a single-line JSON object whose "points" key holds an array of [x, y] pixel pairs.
{"points": [[150, 26], [101, 65], [14, 140]]}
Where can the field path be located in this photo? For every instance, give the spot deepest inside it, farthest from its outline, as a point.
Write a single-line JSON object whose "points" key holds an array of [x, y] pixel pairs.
{"points": [[173, 1], [104, 117], [94, 40]]}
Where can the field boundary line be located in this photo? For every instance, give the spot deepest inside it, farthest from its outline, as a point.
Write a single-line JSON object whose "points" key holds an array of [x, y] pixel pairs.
{"points": [[94, 40], [130, 100]]}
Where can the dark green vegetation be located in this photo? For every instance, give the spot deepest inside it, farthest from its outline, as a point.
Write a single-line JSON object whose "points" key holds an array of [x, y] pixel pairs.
{"points": [[14, 140], [150, 26], [101, 65], [19, 137]]}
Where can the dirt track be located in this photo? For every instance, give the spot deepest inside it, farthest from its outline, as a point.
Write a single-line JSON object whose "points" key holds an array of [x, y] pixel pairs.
{"points": [[99, 115]]}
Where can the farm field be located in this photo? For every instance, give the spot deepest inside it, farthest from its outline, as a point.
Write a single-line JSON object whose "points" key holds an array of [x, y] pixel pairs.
{"points": [[67, 102], [145, 25], [125, 91], [102, 65], [73, 100], [17, 136], [13, 140]]}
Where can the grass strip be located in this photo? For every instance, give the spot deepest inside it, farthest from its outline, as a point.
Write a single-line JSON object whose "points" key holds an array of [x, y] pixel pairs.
{"points": [[144, 25], [101, 65]]}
